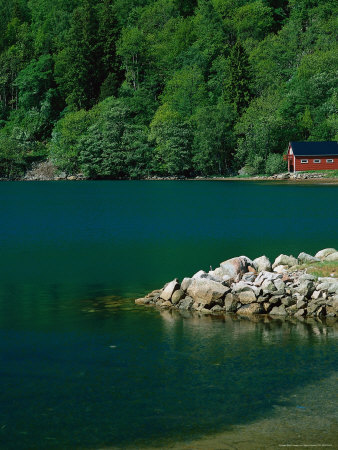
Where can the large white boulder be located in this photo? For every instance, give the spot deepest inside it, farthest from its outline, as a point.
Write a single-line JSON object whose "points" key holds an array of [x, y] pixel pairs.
{"points": [[285, 260], [170, 289], [305, 258], [236, 266], [262, 264], [332, 257], [206, 291], [322, 254]]}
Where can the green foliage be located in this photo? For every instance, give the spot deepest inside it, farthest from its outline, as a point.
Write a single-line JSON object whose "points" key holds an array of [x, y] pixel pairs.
{"points": [[114, 146], [238, 84], [127, 88], [64, 146], [275, 164]]}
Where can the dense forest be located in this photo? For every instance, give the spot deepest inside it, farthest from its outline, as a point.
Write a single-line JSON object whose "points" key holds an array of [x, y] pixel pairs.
{"points": [[135, 88]]}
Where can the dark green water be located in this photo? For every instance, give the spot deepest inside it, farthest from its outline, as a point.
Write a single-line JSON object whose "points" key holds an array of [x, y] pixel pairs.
{"points": [[82, 367]]}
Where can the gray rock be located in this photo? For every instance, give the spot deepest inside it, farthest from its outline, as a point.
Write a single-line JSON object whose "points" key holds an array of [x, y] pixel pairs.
{"points": [[166, 304], [312, 307], [249, 277], [333, 257], [241, 286], [305, 258], [262, 264], [218, 273], [315, 295], [291, 310], [170, 289], [186, 303], [267, 307], [280, 269], [209, 276], [275, 299], [177, 296], [268, 286], [270, 276], [186, 283], [321, 312], [300, 313], [206, 291], [301, 304], [226, 279], [335, 304], [278, 311], [305, 288], [236, 266], [142, 301], [252, 308], [217, 309], [307, 277], [285, 260], [246, 297], [280, 286], [322, 254], [200, 274], [288, 301], [230, 303]]}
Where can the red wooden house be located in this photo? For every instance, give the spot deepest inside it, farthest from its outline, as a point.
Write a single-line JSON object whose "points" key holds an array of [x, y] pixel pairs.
{"points": [[312, 156]]}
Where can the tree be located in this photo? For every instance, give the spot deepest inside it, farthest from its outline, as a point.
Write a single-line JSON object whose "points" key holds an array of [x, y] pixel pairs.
{"points": [[76, 70], [238, 85]]}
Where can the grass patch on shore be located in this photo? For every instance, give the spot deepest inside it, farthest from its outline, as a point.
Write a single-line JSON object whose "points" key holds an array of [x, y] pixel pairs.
{"points": [[322, 269]]}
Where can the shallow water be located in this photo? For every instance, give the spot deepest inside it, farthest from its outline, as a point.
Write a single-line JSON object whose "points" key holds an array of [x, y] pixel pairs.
{"points": [[83, 367]]}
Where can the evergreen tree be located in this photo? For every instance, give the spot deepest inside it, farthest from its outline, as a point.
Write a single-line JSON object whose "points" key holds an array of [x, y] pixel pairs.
{"points": [[238, 85]]}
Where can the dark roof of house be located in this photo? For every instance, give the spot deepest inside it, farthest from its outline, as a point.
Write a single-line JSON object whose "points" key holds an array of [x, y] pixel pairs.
{"points": [[314, 148]]}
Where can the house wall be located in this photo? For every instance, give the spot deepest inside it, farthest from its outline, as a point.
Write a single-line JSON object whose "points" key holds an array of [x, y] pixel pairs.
{"points": [[311, 165]]}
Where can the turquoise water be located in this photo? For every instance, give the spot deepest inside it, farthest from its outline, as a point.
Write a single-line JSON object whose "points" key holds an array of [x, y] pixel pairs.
{"points": [[82, 367]]}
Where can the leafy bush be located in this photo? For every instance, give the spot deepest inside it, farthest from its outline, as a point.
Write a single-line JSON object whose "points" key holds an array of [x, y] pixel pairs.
{"points": [[275, 164]]}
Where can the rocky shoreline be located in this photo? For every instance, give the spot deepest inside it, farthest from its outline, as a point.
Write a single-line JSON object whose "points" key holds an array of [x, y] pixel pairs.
{"points": [[46, 171], [249, 287]]}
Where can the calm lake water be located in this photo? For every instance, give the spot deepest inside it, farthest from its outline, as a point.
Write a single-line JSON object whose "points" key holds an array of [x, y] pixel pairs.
{"points": [[82, 367]]}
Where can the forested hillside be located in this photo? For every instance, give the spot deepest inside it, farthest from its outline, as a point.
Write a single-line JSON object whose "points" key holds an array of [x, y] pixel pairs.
{"points": [[132, 88]]}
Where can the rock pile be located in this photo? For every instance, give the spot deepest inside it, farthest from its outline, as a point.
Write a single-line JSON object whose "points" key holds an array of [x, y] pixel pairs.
{"points": [[246, 287]]}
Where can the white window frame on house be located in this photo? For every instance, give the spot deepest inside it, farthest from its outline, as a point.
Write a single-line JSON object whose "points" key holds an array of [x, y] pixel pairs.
{"points": [[304, 161], [317, 161], [330, 161]]}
